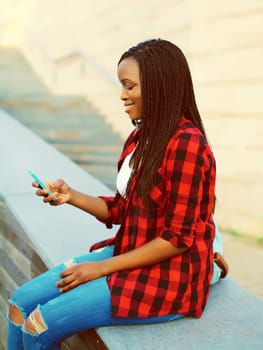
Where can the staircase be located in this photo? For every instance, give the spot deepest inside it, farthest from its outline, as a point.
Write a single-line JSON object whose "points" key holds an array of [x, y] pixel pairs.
{"points": [[69, 123]]}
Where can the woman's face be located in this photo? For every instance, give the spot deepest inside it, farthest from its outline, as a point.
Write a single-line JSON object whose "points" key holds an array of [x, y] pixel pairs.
{"points": [[129, 76]]}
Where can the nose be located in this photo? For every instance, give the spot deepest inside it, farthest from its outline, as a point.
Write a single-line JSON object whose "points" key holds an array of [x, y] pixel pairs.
{"points": [[123, 95]]}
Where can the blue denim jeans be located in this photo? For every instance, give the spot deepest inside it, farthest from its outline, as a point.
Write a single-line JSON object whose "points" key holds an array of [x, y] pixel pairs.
{"points": [[84, 307], [217, 248]]}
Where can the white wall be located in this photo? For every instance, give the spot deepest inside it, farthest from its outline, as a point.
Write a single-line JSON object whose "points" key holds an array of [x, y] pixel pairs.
{"points": [[223, 41]]}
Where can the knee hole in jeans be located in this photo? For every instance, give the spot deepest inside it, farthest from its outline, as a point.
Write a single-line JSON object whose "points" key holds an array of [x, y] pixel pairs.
{"points": [[35, 323], [15, 314]]}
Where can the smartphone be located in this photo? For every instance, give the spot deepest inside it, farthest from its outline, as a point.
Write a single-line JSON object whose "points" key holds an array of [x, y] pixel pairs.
{"points": [[41, 184]]}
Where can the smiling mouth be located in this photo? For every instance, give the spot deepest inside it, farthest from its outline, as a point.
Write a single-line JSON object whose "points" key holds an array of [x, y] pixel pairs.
{"points": [[128, 107]]}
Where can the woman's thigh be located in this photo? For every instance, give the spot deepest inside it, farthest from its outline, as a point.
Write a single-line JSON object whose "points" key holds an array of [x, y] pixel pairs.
{"points": [[84, 307], [43, 288]]}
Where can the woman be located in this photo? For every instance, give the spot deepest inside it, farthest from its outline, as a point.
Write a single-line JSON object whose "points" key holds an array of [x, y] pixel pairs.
{"points": [[159, 266]]}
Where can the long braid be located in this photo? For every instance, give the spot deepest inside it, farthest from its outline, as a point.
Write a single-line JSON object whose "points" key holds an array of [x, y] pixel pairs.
{"points": [[167, 94]]}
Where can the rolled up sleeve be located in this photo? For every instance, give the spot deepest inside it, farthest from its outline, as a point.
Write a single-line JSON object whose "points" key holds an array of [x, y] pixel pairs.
{"points": [[116, 208], [186, 164]]}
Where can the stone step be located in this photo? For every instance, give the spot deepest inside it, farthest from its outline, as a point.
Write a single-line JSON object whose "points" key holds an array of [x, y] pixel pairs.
{"points": [[46, 103], [17, 78], [69, 123]]}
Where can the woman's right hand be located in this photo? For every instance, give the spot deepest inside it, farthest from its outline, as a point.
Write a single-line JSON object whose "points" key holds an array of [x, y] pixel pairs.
{"points": [[59, 189], [93, 205]]}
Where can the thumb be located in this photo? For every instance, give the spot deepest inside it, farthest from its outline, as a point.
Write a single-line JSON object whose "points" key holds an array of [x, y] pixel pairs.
{"points": [[59, 183]]}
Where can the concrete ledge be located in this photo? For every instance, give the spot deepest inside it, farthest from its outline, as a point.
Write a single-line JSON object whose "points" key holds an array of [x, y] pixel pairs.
{"points": [[233, 318], [47, 227], [32, 233]]}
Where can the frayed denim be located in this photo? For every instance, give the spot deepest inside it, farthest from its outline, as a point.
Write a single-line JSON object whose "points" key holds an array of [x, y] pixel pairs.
{"points": [[84, 307], [63, 314]]}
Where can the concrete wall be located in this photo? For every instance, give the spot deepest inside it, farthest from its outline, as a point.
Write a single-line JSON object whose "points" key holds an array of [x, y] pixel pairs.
{"points": [[223, 43], [31, 232]]}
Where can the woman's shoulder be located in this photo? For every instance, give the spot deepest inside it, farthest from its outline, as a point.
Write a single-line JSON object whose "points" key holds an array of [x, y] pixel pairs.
{"points": [[186, 126], [187, 130], [187, 136]]}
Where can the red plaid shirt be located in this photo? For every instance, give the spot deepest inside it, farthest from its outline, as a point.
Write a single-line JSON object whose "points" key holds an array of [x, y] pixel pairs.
{"points": [[180, 211]]}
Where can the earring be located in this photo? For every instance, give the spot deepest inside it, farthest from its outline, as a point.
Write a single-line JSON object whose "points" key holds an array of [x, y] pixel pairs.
{"points": [[137, 122]]}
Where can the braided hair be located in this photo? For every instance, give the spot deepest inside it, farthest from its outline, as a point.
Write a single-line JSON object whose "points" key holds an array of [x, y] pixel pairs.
{"points": [[167, 94]]}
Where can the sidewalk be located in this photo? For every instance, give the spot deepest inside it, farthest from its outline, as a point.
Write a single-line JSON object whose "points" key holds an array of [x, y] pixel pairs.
{"points": [[245, 260]]}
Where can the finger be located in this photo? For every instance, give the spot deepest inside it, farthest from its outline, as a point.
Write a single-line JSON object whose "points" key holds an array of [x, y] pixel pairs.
{"points": [[65, 281], [67, 272], [42, 193], [56, 202], [59, 183], [47, 199], [70, 286], [54, 198], [35, 184]]}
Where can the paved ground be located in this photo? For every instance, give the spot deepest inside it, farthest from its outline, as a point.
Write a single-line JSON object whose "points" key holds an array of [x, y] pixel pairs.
{"points": [[246, 262]]}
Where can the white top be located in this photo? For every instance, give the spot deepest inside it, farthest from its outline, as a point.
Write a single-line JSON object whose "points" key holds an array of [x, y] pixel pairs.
{"points": [[124, 175]]}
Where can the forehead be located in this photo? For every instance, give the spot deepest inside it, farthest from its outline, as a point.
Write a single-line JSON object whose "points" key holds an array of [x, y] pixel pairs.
{"points": [[128, 69]]}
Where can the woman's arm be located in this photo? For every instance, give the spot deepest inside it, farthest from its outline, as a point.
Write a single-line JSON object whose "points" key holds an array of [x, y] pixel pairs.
{"points": [[65, 194], [109, 210], [149, 254], [189, 182], [93, 205]]}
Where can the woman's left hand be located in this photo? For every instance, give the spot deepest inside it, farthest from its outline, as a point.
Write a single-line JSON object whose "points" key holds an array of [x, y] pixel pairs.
{"points": [[79, 274]]}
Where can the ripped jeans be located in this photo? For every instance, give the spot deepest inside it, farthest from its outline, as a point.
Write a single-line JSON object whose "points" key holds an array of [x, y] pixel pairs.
{"points": [[84, 307], [63, 314]]}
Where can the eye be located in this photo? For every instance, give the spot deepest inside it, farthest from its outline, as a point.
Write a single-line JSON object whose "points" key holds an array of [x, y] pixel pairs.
{"points": [[129, 87]]}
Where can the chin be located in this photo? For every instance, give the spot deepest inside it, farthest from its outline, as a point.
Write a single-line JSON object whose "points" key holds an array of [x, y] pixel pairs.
{"points": [[134, 117]]}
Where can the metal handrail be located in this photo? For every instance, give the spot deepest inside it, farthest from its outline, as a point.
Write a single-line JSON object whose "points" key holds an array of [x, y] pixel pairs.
{"points": [[88, 58], [75, 53]]}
